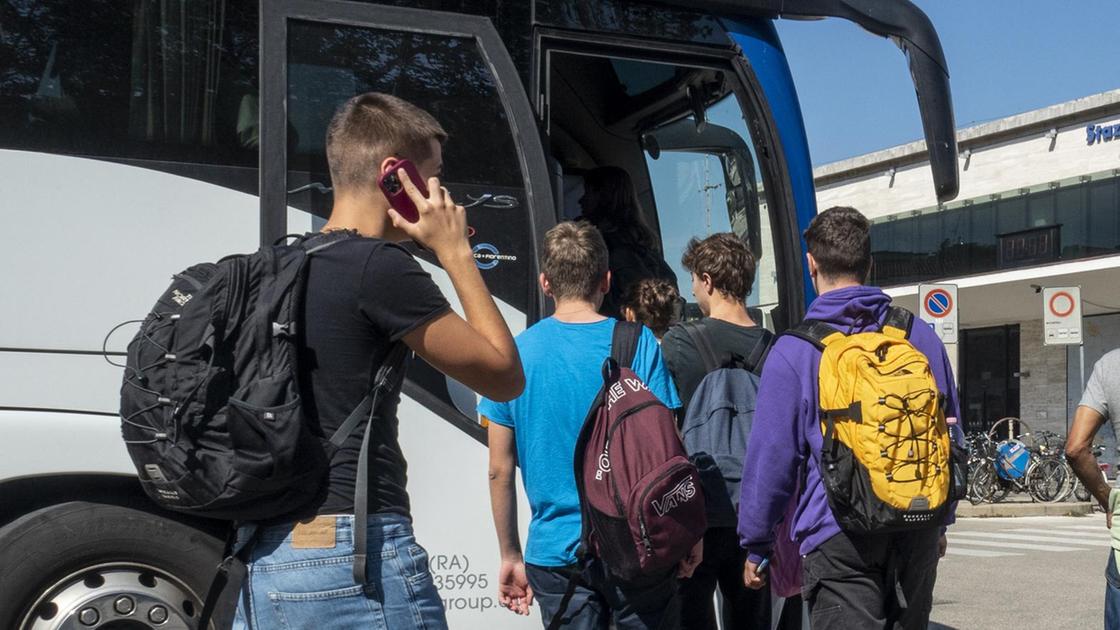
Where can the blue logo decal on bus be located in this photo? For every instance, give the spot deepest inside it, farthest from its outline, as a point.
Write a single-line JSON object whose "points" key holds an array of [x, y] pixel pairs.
{"points": [[486, 256]]}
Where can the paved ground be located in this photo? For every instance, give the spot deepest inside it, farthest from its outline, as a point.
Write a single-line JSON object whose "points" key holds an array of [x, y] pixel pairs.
{"points": [[1022, 506], [1029, 572]]}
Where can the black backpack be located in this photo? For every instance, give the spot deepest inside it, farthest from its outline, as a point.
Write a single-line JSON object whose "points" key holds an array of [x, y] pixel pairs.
{"points": [[718, 421], [210, 405]]}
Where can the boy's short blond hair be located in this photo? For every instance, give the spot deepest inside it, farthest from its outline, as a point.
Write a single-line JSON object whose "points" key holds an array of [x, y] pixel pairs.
{"points": [[574, 260]]}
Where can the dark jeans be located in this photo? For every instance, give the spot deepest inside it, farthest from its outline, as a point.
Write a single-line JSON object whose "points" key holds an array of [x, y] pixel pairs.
{"points": [[875, 581], [599, 599], [1111, 594], [743, 608]]}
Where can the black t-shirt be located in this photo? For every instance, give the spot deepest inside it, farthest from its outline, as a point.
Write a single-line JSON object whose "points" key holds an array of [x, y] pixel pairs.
{"points": [[363, 294], [687, 365]]}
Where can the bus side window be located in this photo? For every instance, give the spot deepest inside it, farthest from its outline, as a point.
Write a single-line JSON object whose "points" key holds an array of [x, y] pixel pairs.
{"points": [[132, 81]]}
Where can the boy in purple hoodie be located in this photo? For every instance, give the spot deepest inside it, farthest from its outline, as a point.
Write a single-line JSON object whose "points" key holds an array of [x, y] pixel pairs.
{"points": [[849, 580]]}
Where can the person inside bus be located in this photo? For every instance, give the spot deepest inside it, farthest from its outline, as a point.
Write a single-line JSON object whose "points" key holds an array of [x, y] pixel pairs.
{"points": [[365, 293], [563, 359], [655, 303], [610, 203]]}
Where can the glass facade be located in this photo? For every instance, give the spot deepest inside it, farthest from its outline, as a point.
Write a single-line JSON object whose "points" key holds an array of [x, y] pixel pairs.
{"points": [[989, 376], [1058, 221]]}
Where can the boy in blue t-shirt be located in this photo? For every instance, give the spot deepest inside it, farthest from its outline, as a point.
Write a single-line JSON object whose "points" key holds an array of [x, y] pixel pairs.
{"points": [[562, 356]]}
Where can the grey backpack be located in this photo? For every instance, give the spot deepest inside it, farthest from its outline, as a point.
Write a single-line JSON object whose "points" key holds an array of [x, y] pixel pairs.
{"points": [[718, 421]]}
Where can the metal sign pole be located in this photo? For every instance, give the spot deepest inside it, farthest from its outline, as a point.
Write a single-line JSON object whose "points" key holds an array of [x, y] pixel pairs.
{"points": [[1080, 392], [1081, 351]]}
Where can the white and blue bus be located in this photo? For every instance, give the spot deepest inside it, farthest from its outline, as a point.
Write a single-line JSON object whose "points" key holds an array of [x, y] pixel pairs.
{"points": [[140, 136]]}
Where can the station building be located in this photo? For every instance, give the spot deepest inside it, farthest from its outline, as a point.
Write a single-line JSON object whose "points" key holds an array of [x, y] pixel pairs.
{"points": [[1039, 206]]}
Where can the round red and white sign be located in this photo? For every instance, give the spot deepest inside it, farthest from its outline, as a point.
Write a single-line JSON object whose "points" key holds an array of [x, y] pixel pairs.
{"points": [[1061, 304]]}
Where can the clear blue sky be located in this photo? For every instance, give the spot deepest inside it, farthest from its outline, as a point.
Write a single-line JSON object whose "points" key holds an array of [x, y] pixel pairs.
{"points": [[1005, 57]]}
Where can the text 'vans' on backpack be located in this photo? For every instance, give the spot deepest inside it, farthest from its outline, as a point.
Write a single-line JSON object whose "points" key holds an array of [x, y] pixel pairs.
{"points": [[642, 502], [887, 460], [210, 404], [718, 421]]}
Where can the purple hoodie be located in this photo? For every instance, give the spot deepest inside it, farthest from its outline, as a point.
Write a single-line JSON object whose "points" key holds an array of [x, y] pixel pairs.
{"points": [[786, 435]]}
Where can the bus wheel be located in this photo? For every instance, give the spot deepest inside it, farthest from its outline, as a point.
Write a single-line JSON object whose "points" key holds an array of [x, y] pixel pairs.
{"points": [[90, 565]]}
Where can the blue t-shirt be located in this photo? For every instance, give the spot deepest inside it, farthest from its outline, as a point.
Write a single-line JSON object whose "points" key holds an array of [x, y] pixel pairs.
{"points": [[563, 364]]}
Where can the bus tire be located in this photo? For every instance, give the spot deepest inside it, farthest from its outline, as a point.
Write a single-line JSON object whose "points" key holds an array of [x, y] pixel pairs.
{"points": [[93, 556]]}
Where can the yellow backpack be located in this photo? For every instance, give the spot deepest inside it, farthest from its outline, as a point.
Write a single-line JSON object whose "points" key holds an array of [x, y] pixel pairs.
{"points": [[886, 458]]}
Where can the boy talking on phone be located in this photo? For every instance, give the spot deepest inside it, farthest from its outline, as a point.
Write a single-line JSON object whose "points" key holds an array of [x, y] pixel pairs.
{"points": [[364, 294]]}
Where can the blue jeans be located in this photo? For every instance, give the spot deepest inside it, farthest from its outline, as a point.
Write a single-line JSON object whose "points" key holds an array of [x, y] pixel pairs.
{"points": [[311, 585], [1111, 594]]}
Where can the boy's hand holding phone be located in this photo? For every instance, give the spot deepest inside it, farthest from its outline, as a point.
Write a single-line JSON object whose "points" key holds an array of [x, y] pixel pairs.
{"points": [[440, 226], [754, 575]]}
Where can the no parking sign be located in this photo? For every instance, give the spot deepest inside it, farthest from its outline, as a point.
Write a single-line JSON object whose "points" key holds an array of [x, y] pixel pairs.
{"points": [[937, 306], [1061, 315]]}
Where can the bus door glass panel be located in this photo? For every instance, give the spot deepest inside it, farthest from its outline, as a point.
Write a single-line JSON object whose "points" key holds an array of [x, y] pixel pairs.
{"points": [[706, 179], [448, 76]]}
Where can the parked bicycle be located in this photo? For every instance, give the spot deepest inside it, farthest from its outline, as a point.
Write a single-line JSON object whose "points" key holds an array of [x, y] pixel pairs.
{"points": [[982, 476], [1050, 479], [1010, 458]]}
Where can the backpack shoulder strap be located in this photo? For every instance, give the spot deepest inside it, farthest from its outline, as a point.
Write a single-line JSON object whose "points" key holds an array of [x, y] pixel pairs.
{"points": [[388, 378], [898, 323], [758, 354], [314, 243], [624, 342], [698, 333], [293, 236], [813, 331]]}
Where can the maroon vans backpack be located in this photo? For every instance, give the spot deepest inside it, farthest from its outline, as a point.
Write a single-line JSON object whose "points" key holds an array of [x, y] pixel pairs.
{"points": [[641, 499]]}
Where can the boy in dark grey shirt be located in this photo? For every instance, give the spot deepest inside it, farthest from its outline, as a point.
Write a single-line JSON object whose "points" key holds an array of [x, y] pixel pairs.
{"points": [[722, 271]]}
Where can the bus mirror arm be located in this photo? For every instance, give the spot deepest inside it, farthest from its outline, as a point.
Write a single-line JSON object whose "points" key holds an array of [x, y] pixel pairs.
{"points": [[696, 102], [911, 29], [936, 107]]}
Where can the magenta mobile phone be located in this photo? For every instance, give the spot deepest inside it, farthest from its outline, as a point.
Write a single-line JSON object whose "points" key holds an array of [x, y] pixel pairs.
{"points": [[390, 185]]}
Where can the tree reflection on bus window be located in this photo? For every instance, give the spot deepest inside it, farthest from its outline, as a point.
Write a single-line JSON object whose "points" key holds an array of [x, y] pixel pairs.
{"points": [[141, 80]]}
